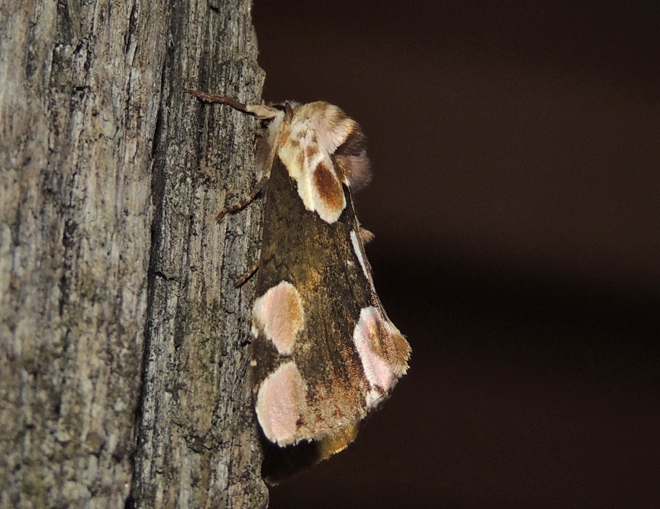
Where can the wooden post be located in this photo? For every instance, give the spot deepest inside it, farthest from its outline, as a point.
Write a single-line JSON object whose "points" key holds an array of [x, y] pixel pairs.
{"points": [[123, 344]]}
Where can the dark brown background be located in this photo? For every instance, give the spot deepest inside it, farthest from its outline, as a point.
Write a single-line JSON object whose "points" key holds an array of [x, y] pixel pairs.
{"points": [[516, 148]]}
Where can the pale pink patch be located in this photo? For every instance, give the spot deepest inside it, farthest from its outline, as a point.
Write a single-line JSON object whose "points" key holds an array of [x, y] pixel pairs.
{"points": [[281, 404], [279, 314], [367, 338]]}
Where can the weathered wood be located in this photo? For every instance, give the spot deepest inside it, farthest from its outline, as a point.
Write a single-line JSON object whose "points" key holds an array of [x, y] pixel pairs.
{"points": [[123, 345]]}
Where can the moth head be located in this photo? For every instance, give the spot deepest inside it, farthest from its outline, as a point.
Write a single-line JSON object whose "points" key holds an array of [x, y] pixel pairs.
{"points": [[272, 116], [271, 119]]}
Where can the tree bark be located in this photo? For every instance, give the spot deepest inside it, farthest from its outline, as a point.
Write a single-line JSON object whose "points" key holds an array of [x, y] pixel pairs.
{"points": [[123, 344]]}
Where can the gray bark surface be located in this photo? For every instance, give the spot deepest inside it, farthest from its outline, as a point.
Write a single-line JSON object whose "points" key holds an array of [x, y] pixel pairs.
{"points": [[123, 345]]}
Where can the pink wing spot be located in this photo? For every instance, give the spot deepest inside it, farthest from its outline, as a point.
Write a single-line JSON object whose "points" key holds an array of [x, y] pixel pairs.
{"points": [[279, 313], [281, 404], [369, 332]]}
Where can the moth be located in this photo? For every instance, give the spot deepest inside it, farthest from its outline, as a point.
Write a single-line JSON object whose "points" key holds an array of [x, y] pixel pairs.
{"points": [[324, 352]]}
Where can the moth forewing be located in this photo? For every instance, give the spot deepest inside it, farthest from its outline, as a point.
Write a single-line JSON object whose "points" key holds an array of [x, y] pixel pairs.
{"points": [[324, 351]]}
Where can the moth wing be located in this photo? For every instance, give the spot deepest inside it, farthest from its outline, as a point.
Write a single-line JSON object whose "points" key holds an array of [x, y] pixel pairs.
{"points": [[325, 353]]}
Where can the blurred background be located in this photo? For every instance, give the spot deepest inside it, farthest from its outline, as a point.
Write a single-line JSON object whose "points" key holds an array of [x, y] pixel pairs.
{"points": [[515, 202]]}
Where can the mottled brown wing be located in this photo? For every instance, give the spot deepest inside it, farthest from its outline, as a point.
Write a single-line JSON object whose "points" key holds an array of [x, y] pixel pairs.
{"points": [[322, 339]]}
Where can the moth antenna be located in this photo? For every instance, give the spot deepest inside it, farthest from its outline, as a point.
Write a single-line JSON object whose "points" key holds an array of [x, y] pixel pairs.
{"points": [[211, 98], [261, 111]]}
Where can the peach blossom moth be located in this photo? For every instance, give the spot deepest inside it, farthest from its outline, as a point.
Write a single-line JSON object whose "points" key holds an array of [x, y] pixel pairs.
{"points": [[324, 352]]}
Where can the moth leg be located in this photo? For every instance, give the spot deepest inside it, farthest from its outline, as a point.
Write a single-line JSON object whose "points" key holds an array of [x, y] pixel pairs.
{"points": [[262, 112], [245, 201], [243, 279]]}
